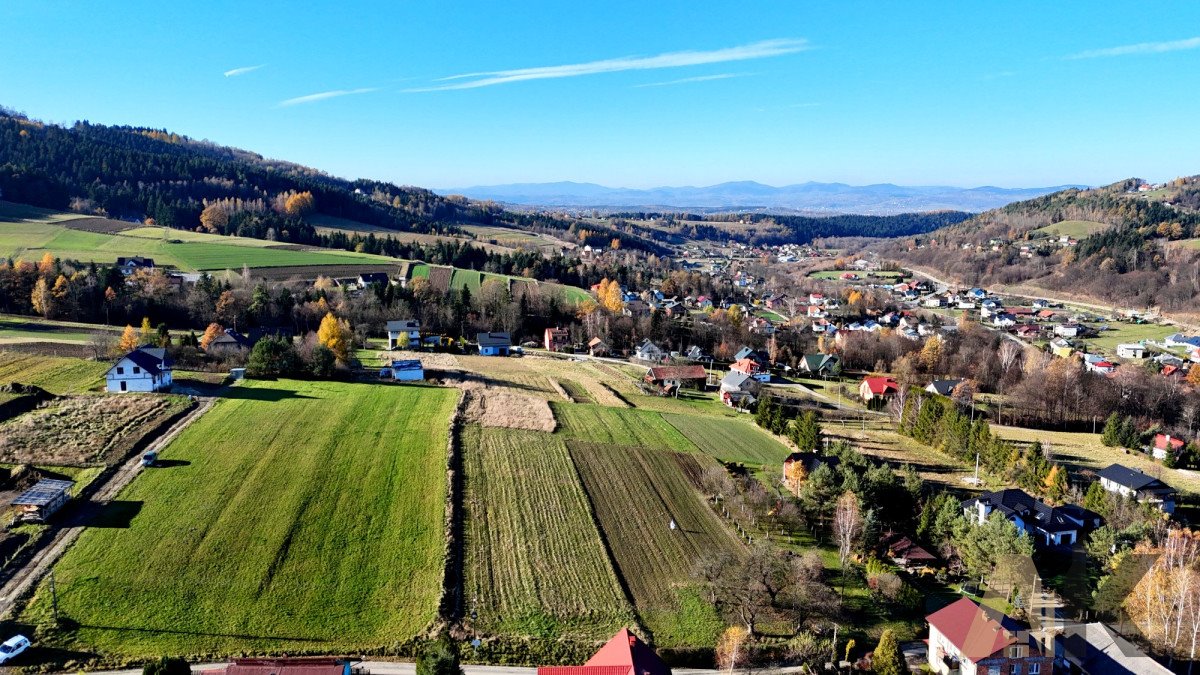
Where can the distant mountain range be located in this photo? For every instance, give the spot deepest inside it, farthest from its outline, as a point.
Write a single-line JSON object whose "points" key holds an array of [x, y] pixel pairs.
{"points": [[810, 198]]}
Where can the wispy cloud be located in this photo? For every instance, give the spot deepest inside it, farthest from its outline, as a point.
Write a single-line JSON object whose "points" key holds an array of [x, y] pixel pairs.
{"points": [[1139, 48], [689, 80], [242, 71], [998, 76], [756, 50], [321, 96]]}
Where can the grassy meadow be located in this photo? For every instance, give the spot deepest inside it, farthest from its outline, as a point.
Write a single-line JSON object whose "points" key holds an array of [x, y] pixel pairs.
{"points": [[55, 374], [293, 516], [1077, 229]]}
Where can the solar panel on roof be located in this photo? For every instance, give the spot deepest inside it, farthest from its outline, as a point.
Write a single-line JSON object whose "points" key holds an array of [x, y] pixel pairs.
{"points": [[43, 492]]}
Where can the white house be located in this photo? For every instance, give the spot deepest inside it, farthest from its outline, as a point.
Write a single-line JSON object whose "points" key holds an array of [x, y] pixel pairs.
{"points": [[1131, 350], [405, 370], [404, 334], [1139, 486], [143, 369]]}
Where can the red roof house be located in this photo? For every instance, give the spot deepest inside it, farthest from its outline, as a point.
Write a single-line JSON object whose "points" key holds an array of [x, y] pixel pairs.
{"points": [[1164, 443], [747, 366], [624, 654], [289, 666], [877, 388], [964, 633]]}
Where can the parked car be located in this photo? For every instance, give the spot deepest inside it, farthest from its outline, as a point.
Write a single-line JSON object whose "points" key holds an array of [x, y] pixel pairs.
{"points": [[12, 647], [150, 458]]}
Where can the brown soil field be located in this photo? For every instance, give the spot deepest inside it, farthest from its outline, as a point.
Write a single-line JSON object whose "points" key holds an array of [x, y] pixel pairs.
{"points": [[84, 430], [100, 225], [500, 407], [439, 278], [310, 272]]}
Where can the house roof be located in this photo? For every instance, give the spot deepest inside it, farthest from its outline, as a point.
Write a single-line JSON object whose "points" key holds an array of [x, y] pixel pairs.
{"points": [[815, 362], [944, 387], [1096, 648], [660, 373], [286, 666], [153, 360], [1036, 513], [901, 546], [737, 380], [494, 339], [403, 324], [1132, 478], [595, 341], [1161, 441], [374, 278], [406, 364], [43, 492], [971, 630], [811, 460], [745, 366], [881, 385], [626, 650], [743, 353]]}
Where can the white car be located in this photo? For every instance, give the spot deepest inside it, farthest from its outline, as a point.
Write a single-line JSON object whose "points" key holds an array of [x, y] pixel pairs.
{"points": [[12, 647]]}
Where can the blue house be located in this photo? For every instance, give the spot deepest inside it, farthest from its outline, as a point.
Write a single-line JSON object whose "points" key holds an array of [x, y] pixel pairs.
{"points": [[407, 370], [494, 344]]}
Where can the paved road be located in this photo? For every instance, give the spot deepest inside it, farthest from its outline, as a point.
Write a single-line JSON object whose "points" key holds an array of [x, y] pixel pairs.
{"points": [[24, 579], [407, 668]]}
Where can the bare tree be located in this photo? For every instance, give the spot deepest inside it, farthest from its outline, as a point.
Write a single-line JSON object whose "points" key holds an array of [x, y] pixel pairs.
{"points": [[101, 344], [847, 525]]}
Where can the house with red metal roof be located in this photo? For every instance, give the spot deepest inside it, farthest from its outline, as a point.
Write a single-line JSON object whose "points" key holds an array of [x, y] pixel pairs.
{"points": [[623, 654], [966, 639], [878, 388]]}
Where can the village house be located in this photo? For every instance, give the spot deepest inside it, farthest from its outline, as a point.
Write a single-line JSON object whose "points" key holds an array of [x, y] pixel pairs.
{"points": [[1181, 340], [820, 364], [1096, 649], [404, 334], [1098, 364], [1004, 320], [908, 554], [748, 353], [623, 654], [738, 387], [648, 351], [1068, 330], [143, 369], [129, 265], [557, 339], [1049, 525], [1131, 350], [366, 279], [966, 639], [1061, 348], [752, 368], [228, 343], [1163, 444], [597, 347], [942, 387], [494, 344], [878, 389], [1136, 485], [1028, 331]]}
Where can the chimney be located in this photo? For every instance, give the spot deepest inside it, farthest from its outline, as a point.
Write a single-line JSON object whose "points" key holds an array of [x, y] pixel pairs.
{"points": [[632, 640]]}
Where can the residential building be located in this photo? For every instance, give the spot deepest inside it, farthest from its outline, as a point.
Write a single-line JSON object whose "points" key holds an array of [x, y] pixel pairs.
{"points": [[1136, 485], [623, 654], [494, 344], [404, 334], [317, 665], [1096, 649], [597, 347], [1068, 330], [143, 369], [669, 379], [799, 466], [942, 387], [1004, 320], [1061, 348], [878, 389], [1131, 350], [134, 263], [229, 342], [404, 370], [367, 278], [557, 339], [1163, 444], [1049, 525], [966, 639], [752, 368], [1098, 364], [738, 387], [820, 364], [648, 351], [1181, 340]]}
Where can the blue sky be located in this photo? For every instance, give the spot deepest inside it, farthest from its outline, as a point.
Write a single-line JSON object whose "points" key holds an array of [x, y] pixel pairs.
{"points": [[636, 94]]}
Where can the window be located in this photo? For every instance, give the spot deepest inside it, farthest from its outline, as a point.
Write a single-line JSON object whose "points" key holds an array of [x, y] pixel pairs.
{"points": [[136, 370], [1016, 669], [120, 370], [1035, 668]]}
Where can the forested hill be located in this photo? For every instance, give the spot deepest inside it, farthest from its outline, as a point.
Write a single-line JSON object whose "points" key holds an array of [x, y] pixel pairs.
{"points": [[135, 173], [1129, 243]]}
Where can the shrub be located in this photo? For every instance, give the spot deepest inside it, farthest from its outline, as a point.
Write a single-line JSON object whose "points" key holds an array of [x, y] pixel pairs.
{"points": [[167, 665], [439, 658]]}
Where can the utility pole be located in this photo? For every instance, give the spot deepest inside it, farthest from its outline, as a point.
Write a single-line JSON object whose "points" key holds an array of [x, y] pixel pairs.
{"points": [[53, 597], [976, 469]]}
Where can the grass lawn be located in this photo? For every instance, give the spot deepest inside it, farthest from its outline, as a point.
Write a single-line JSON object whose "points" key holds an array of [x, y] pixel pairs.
{"points": [[1085, 451], [32, 329], [1121, 332], [55, 374], [293, 516], [730, 440], [536, 565], [618, 426], [1072, 228]]}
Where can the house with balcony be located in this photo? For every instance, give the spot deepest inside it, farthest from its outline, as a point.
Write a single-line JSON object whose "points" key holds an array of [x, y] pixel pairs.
{"points": [[967, 639]]}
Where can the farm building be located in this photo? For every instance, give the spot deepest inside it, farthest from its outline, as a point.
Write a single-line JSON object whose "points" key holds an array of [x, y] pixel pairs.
{"points": [[43, 499], [597, 347], [878, 388], [623, 654], [404, 370], [289, 666], [404, 334], [1145, 489], [557, 339], [143, 369], [670, 379], [494, 344]]}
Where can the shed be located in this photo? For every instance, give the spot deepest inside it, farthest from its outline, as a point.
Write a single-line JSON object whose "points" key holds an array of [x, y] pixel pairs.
{"points": [[42, 500], [405, 370]]}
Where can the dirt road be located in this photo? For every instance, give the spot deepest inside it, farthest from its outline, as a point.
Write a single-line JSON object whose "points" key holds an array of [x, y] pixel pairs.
{"points": [[22, 580]]}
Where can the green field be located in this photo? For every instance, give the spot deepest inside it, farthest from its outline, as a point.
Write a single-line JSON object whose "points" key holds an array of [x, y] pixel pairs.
{"points": [[618, 426], [1121, 332], [1072, 228], [28, 235], [293, 516], [473, 280], [55, 374], [730, 440], [636, 493], [536, 565]]}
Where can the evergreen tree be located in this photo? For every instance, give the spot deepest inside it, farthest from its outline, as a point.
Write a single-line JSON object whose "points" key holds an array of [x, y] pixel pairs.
{"points": [[1129, 436], [888, 659], [1112, 431]]}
